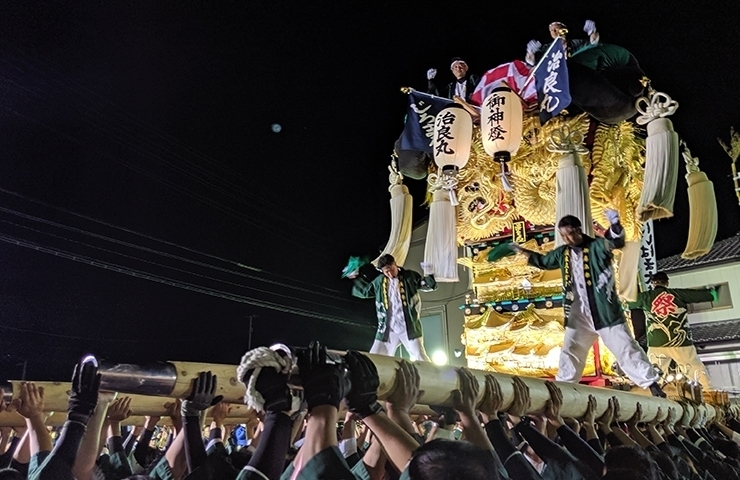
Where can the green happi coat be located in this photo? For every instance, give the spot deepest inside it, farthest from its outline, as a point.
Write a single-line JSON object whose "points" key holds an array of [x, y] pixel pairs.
{"points": [[411, 284], [665, 314], [606, 308]]}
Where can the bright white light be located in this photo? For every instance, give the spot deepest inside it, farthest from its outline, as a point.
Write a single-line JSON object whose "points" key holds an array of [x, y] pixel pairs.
{"points": [[679, 377], [670, 378], [439, 358]]}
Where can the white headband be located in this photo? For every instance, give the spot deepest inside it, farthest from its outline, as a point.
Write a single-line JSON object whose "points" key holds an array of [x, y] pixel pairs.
{"points": [[457, 61]]}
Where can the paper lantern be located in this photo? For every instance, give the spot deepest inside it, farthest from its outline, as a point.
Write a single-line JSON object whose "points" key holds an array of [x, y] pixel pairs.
{"points": [[501, 127], [453, 136]]}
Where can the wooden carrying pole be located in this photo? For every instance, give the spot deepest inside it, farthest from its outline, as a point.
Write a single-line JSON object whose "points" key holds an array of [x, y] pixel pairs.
{"points": [[437, 383]]}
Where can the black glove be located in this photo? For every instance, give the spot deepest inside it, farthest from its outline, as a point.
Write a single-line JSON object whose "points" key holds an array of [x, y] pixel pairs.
{"points": [[362, 399], [273, 386], [323, 383], [202, 395], [83, 397]]}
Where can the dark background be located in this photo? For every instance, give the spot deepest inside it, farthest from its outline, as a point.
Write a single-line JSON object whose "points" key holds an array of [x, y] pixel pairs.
{"points": [[156, 117]]}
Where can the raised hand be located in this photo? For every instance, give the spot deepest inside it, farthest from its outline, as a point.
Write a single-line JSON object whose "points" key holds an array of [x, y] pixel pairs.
{"points": [[632, 422], [202, 395], [362, 398], [606, 420], [83, 397], [431, 73], [120, 410], [323, 383], [612, 215], [30, 401], [220, 411], [522, 401], [553, 405], [533, 46], [405, 393], [493, 398], [589, 418], [589, 27], [465, 398]]}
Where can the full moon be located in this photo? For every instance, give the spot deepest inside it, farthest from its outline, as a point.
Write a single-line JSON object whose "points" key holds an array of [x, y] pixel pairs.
{"points": [[276, 127]]}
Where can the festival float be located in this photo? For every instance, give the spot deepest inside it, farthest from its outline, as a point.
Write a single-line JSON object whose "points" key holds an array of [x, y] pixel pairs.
{"points": [[577, 131]]}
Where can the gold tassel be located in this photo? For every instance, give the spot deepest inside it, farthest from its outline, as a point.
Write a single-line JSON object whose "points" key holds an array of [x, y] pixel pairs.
{"points": [[703, 221], [629, 271]]}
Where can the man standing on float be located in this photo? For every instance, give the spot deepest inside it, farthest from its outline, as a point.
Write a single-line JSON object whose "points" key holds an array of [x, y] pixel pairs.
{"points": [[398, 305], [591, 304]]}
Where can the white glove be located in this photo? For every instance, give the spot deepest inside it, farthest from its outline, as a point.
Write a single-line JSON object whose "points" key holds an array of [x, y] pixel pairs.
{"points": [[533, 46], [428, 268], [431, 73], [589, 27], [613, 216]]}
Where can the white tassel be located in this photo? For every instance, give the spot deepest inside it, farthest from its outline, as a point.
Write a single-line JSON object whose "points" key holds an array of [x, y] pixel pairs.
{"points": [[399, 240], [661, 157], [572, 192], [441, 245]]}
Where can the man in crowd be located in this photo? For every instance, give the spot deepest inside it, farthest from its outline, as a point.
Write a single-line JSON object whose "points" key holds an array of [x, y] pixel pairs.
{"points": [[668, 331], [535, 49], [398, 305], [592, 306]]}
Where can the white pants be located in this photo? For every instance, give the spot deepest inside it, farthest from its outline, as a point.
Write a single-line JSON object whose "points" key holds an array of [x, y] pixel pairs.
{"points": [[618, 339], [415, 347], [686, 357]]}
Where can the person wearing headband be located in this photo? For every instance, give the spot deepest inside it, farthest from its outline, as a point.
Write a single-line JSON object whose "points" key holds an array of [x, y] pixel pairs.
{"points": [[463, 86]]}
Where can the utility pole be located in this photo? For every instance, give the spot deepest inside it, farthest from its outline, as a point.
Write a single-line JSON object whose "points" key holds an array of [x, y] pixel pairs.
{"points": [[251, 318]]}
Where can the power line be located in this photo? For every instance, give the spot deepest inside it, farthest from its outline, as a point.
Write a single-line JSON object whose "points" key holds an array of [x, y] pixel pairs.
{"points": [[176, 283], [179, 270], [158, 252], [149, 237]]}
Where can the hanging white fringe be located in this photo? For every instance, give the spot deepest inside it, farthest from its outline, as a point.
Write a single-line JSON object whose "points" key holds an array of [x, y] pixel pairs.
{"points": [[257, 359], [572, 192], [402, 208], [441, 246], [661, 157], [703, 222]]}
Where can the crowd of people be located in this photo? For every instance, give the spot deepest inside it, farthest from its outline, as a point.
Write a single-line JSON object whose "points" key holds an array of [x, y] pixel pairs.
{"points": [[308, 439]]}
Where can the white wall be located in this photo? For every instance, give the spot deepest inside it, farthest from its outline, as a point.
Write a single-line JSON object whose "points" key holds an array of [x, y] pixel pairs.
{"points": [[710, 275], [448, 296]]}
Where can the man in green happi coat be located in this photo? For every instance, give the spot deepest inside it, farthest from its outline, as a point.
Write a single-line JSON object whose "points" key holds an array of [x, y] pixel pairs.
{"points": [[398, 306], [668, 331], [591, 304]]}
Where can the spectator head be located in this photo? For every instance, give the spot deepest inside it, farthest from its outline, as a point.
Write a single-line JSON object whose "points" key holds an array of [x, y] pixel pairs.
{"points": [[10, 474], [623, 474], [634, 459], [452, 460], [666, 465], [728, 447]]}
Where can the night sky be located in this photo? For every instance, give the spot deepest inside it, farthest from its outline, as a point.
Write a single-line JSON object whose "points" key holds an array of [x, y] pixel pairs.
{"points": [[124, 125]]}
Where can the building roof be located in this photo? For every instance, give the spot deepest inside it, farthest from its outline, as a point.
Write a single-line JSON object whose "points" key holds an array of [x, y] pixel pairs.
{"points": [[712, 332], [722, 252]]}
